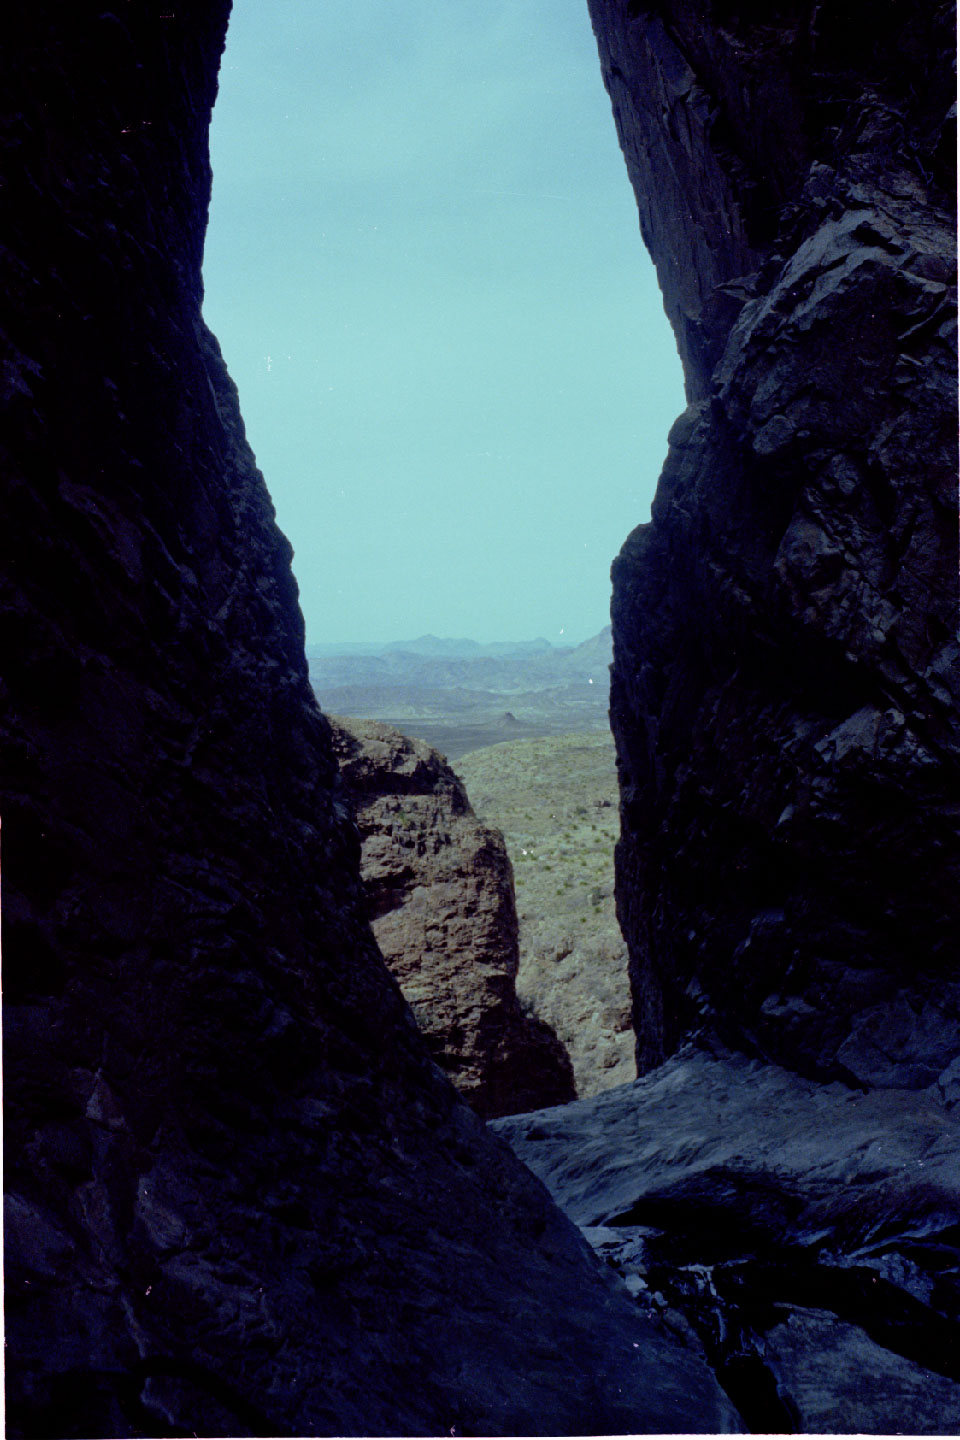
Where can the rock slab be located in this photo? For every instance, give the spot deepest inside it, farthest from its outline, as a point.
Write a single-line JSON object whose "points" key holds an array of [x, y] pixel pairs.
{"points": [[806, 1234]]}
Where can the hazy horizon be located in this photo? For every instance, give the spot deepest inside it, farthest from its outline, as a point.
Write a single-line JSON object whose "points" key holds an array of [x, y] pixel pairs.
{"points": [[562, 641], [425, 269]]}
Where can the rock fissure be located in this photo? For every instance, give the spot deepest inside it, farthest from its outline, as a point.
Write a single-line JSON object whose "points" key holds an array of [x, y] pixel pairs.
{"points": [[327, 1240], [241, 1196]]}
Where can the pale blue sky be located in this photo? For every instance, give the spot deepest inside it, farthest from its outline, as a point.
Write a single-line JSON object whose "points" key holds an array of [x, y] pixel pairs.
{"points": [[425, 268]]}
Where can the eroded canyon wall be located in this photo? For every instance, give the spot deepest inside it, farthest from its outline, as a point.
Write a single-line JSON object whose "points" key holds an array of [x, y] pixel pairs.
{"points": [[240, 1197], [785, 675]]}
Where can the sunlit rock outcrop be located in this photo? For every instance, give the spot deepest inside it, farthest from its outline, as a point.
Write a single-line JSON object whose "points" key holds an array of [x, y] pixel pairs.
{"points": [[785, 677], [440, 896]]}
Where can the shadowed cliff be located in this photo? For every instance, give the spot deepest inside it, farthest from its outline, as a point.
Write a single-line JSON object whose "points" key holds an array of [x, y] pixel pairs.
{"points": [[240, 1198], [785, 672]]}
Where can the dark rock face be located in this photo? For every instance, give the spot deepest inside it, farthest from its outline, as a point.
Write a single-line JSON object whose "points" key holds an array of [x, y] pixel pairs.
{"points": [[785, 678], [240, 1197], [784, 705], [440, 897], [805, 1233]]}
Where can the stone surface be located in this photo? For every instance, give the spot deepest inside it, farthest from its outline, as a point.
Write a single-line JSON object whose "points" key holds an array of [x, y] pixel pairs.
{"points": [[806, 1234], [440, 897], [240, 1197], [785, 676], [837, 1377]]}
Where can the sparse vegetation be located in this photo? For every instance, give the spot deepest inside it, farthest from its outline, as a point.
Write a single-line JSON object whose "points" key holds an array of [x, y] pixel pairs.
{"points": [[544, 795]]}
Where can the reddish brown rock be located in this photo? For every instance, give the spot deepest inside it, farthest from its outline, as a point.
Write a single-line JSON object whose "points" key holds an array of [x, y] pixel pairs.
{"points": [[441, 899]]}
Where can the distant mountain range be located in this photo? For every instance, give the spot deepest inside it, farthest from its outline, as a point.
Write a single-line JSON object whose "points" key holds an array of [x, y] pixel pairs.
{"points": [[484, 692], [432, 645], [502, 668]]}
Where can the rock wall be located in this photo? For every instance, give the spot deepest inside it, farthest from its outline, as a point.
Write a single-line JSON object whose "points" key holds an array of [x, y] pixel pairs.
{"points": [[785, 676], [440, 897], [240, 1197]]}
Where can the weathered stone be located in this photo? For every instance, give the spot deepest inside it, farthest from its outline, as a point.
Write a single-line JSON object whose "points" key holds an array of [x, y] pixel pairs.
{"points": [[806, 1233], [241, 1198], [785, 679], [440, 896], [839, 1379]]}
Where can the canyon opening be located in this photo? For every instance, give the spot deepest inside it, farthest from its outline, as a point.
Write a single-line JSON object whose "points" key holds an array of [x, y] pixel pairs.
{"points": [[290, 1148]]}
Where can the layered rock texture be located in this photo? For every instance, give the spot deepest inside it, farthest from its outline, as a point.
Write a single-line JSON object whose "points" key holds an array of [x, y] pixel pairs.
{"points": [[785, 676], [440, 897], [241, 1199]]}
